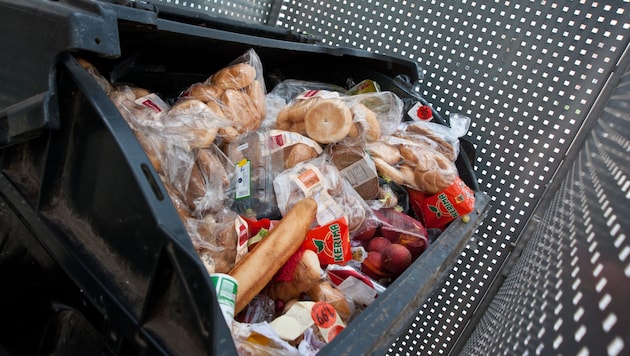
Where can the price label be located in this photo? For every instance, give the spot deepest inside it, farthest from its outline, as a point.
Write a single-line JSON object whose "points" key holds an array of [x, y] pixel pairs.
{"points": [[324, 315]]}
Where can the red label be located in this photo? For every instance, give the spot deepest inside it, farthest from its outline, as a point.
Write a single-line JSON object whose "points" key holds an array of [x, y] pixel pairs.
{"points": [[439, 209], [324, 315], [331, 242], [278, 140], [151, 105]]}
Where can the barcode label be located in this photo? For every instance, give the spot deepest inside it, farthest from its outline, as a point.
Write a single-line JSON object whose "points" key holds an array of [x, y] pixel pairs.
{"points": [[243, 176]]}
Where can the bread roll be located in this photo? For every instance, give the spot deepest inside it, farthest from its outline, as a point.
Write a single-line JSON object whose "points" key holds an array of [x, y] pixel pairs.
{"points": [[256, 94], [307, 274], [297, 153], [204, 92], [388, 153], [369, 126], [442, 146], [240, 109], [195, 122], [207, 182], [237, 76], [291, 117], [325, 292], [387, 171], [328, 121]]}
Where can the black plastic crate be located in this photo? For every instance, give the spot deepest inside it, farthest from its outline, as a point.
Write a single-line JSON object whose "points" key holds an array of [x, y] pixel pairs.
{"points": [[76, 178]]}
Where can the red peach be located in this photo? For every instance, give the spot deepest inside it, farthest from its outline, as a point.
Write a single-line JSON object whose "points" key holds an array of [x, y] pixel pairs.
{"points": [[378, 244], [415, 244], [372, 266], [366, 231], [396, 259]]}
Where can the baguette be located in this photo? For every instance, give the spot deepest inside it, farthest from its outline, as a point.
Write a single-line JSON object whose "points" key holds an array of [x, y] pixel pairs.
{"points": [[254, 271]]}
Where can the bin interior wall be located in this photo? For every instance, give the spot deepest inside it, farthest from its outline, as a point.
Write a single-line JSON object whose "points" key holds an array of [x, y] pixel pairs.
{"points": [[528, 74]]}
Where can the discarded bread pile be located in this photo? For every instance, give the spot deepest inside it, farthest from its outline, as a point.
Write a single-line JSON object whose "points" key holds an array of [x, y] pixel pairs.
{"points": [[305, 201]]}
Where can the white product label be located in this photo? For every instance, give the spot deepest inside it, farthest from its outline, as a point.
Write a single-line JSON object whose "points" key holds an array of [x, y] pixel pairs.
{"points": [[281, 139], [311, 182], [315, 93], [243, 179], [153, 102], [359, 172]]}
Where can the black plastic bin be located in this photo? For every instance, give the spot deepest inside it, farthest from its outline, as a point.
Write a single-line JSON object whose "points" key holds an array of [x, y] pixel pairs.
{"points": [[93, 254]]}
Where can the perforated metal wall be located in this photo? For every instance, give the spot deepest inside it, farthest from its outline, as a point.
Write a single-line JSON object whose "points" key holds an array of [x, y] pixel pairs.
{"points": [[567, 294], [255, 11], [528, 74]]}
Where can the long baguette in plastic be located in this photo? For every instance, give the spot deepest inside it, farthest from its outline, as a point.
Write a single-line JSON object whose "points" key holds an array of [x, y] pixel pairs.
{"points": [[258, 267]]}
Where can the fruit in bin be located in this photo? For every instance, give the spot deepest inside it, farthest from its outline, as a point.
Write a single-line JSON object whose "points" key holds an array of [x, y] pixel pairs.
{"points": [[378, 244], [395, 259], [367, 230], [415, 244], [372, 266]]}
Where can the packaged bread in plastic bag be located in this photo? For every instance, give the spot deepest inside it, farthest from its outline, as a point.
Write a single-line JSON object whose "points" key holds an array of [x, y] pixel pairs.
{"points": [[255, 168], [441, 138], [411, 163], [236, 93], [329, 116], [355, 165], [144, 112], [208, 186], [340, 209]]}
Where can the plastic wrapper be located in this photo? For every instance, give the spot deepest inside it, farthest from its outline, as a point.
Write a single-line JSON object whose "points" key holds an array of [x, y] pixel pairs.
{"points": [[391, 227], [193, 123], [260, 339], [417, 165], [292, 148], [320, 179], [439, 209], [215, 239], [311, 344], [356, 166], [208, 181], [329, 116], [360, 288], [255, 169], [441, 138], [289, 89], [143, 112], [403, 229], [260, 309], [234, 99]]}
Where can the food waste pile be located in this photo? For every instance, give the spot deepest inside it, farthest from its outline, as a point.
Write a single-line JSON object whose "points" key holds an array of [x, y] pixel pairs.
{"points": [[304, 201]]}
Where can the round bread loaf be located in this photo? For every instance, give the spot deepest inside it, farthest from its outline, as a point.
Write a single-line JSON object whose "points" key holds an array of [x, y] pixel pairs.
{"points": [[328, 121]]}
